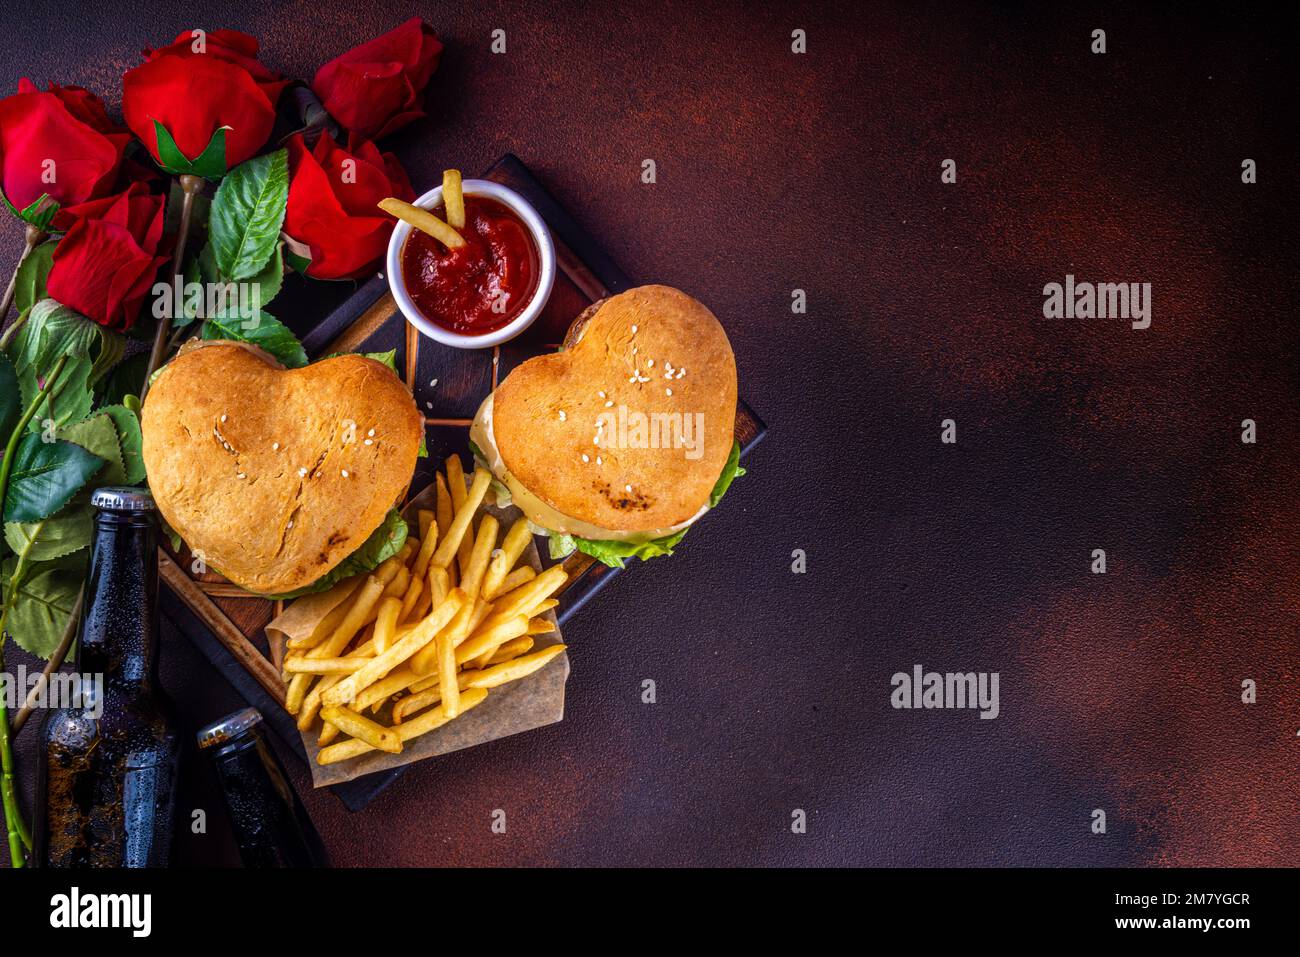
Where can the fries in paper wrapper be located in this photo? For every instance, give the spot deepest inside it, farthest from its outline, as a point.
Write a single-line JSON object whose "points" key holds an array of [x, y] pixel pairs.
{"points": [[462, 648]]}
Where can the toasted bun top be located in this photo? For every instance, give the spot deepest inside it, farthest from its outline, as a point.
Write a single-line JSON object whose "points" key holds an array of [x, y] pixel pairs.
{"points": [[655, 367], [227, 434]]}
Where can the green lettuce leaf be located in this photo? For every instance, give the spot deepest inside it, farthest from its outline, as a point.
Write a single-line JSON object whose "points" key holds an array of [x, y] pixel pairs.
{"points": [[383, 543]]}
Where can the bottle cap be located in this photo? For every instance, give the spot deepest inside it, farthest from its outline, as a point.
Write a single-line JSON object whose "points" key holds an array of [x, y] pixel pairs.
{"points": [[229, 727], [118, 498]]}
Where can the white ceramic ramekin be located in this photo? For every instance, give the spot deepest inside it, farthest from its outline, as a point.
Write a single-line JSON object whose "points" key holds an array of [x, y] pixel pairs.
{"points": [[545, 268]]}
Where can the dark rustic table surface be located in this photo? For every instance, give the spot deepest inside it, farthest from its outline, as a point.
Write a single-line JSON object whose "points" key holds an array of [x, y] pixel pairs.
{"points": [[822, 172]]}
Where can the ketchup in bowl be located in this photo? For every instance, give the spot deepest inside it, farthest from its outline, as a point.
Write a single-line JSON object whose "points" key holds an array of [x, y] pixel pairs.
{"points": [[479, 287]]}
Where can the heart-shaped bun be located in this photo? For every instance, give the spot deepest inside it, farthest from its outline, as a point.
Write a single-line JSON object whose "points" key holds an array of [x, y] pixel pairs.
{"points": [[274, 476], [652, 355]]}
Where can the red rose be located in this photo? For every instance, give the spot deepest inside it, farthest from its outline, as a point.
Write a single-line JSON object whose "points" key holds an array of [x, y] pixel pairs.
{"points": [[332, 197], [378, 87], [106, 264], [199, 84], [59, 142]]}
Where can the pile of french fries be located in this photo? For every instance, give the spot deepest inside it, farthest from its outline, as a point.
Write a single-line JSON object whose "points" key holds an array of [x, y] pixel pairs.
{"points": [[424, 636]]}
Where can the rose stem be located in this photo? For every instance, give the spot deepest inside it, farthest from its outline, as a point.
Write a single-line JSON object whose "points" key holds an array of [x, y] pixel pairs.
{"points": [[190, 185], [34, 238], [19, 835]]}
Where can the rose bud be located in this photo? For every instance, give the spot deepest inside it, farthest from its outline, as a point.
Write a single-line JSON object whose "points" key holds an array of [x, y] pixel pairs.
{"points": [[378, 87], [60, 142], [201, 83], [107, 263], [332, 205]]}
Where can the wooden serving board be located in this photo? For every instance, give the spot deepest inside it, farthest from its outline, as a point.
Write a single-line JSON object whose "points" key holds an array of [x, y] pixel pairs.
{"points": [[227, 624]]}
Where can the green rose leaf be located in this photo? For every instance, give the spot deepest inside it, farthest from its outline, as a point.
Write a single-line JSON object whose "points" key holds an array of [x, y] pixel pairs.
{"points": [[32, 273], [271, 277], [63, 533], [10, 404], [264, 331], [130, 440], [70, 401], [53, 330], [127, 378], [43, 604], [98, 436], [44, 476], [247, 213], [210, 164]]}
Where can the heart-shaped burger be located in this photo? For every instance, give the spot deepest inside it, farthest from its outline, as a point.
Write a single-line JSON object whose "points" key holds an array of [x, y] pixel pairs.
{"points": [[274, 476], [618, 443]]}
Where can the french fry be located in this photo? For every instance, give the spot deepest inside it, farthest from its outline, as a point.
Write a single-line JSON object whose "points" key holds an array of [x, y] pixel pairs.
{"points": [[322, 666], [456, 533], [390, 610], [406, 646], [397, 587], [426, 522], [311, 705], [453, 198], [459, 627], [481, 610], [363, 602], [543, 606], [362, 728], [399, 679], [427, 695], [328, 732], [471, 579], [415, 702], [296, 693], [447, 675], [423, 220], [515, 669], [519, 576], [421, 724], [511, 649], [439, 584], [411, 603], [456, 482], [540, 626], [488, 638], [504, 560], [421, 564], [445, 509]]}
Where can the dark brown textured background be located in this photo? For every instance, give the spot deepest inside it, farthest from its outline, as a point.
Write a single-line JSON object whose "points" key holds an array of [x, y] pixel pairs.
{"points": [[821, 172]]}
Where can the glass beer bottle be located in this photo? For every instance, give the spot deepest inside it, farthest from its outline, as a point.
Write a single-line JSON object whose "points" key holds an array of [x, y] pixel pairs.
{"points": [[270, 823], [107, 779]]}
